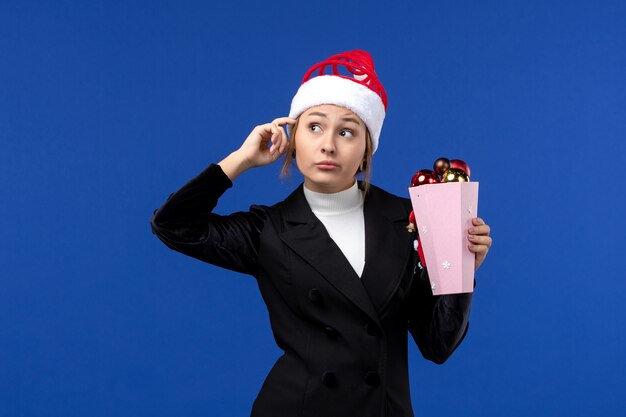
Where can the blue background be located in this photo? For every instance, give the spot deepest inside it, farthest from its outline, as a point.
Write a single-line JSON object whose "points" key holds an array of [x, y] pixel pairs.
{"points": [[107, 107]]}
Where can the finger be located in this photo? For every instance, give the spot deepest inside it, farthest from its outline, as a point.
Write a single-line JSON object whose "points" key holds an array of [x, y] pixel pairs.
{"points": [[274, 156], [284, 142], [280, 121], [478, 248], [477, 221], [479, 230], [280, 139], [274, 138], [480, 240], [265, 132]]}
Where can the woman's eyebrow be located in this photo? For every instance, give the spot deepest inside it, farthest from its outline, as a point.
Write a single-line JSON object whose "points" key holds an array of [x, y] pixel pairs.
{"points": [[351, 119], [345, 118]]}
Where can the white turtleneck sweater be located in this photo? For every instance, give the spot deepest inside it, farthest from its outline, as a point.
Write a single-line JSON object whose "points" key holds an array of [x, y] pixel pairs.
{"points": [[342, 215]]}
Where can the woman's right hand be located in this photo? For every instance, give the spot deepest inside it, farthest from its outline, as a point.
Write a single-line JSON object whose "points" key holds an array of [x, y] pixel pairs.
{"points": [[256, 149]]}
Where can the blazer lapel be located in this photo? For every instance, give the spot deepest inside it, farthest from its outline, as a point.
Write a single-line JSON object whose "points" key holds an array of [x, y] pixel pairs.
{"points": [[388, 246], [308, 237]]}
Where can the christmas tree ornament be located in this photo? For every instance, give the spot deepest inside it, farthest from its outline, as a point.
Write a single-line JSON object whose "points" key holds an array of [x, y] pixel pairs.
{"points": [[424, 176], [441, 165], [457, 163], [412, 226], [454, 175]]}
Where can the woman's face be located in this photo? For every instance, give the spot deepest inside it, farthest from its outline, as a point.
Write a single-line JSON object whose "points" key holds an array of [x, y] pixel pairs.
{"points": [[330, 145]]}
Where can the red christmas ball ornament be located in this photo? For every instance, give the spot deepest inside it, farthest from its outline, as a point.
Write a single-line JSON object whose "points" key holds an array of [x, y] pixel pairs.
{"points": [[459, 164], [454, 175], [424, 176], [441, 165], [412, 226]]}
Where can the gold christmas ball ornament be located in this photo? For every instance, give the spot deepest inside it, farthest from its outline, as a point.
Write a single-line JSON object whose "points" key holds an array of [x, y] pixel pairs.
{"points": [[454, 175]]}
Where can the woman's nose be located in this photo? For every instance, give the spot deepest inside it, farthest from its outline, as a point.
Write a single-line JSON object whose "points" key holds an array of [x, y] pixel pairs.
{"points": [[328, 146]]}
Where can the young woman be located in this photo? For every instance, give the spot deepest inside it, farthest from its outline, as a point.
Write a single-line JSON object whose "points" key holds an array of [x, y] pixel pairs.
{"points": [[334, 261]]}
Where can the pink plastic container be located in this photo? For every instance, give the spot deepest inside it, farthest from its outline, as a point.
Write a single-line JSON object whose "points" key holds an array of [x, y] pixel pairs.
{"points": [[443, 214]]}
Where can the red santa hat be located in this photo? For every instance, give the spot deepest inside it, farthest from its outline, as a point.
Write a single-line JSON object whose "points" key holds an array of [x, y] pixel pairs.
{"points": [[358, 90]]}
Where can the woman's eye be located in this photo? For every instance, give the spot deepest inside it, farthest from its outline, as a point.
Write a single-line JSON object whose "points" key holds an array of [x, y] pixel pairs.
{"points": [[315, 127], [346, 133]]}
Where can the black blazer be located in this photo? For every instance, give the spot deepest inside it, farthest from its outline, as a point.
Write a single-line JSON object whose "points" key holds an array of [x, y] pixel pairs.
{"points": [[344, 338]]}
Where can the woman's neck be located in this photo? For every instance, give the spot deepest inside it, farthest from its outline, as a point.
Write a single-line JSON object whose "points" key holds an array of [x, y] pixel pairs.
{"points": [[327, 189], [334, 203]]}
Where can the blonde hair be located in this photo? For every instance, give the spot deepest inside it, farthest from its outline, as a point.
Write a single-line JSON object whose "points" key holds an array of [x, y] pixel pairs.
{"points": [[367, 166]]}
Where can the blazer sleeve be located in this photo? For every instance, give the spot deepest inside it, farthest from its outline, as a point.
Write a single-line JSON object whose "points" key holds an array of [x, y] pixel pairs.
{"points": [[437, 323], [186, 224]]}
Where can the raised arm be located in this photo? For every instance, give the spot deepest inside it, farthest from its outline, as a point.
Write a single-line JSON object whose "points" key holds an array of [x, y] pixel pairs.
{"points": [[186, 222]]}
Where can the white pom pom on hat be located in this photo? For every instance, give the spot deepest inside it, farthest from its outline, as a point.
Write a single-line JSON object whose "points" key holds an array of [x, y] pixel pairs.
{"points": [[362, 92]]}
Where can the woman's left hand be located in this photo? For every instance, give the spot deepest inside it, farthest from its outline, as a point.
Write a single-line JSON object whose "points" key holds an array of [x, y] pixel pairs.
{"points": [[480, 242]]}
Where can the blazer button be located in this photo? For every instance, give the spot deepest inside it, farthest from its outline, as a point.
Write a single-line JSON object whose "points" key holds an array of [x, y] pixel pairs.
{"points": [[329, 379], [372, 378], [331, 333], [372, 329], [315, 295]]}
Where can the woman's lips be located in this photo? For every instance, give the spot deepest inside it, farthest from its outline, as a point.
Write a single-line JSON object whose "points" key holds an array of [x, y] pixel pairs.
{"points": [[327, 165]]}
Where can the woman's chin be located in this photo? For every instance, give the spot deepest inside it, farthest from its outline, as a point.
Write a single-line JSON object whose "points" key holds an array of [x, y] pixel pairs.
{"points": [[328, 185]]}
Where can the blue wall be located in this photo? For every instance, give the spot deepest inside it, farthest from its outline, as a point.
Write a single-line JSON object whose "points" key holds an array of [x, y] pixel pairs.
{"points": [[106, 107]]}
